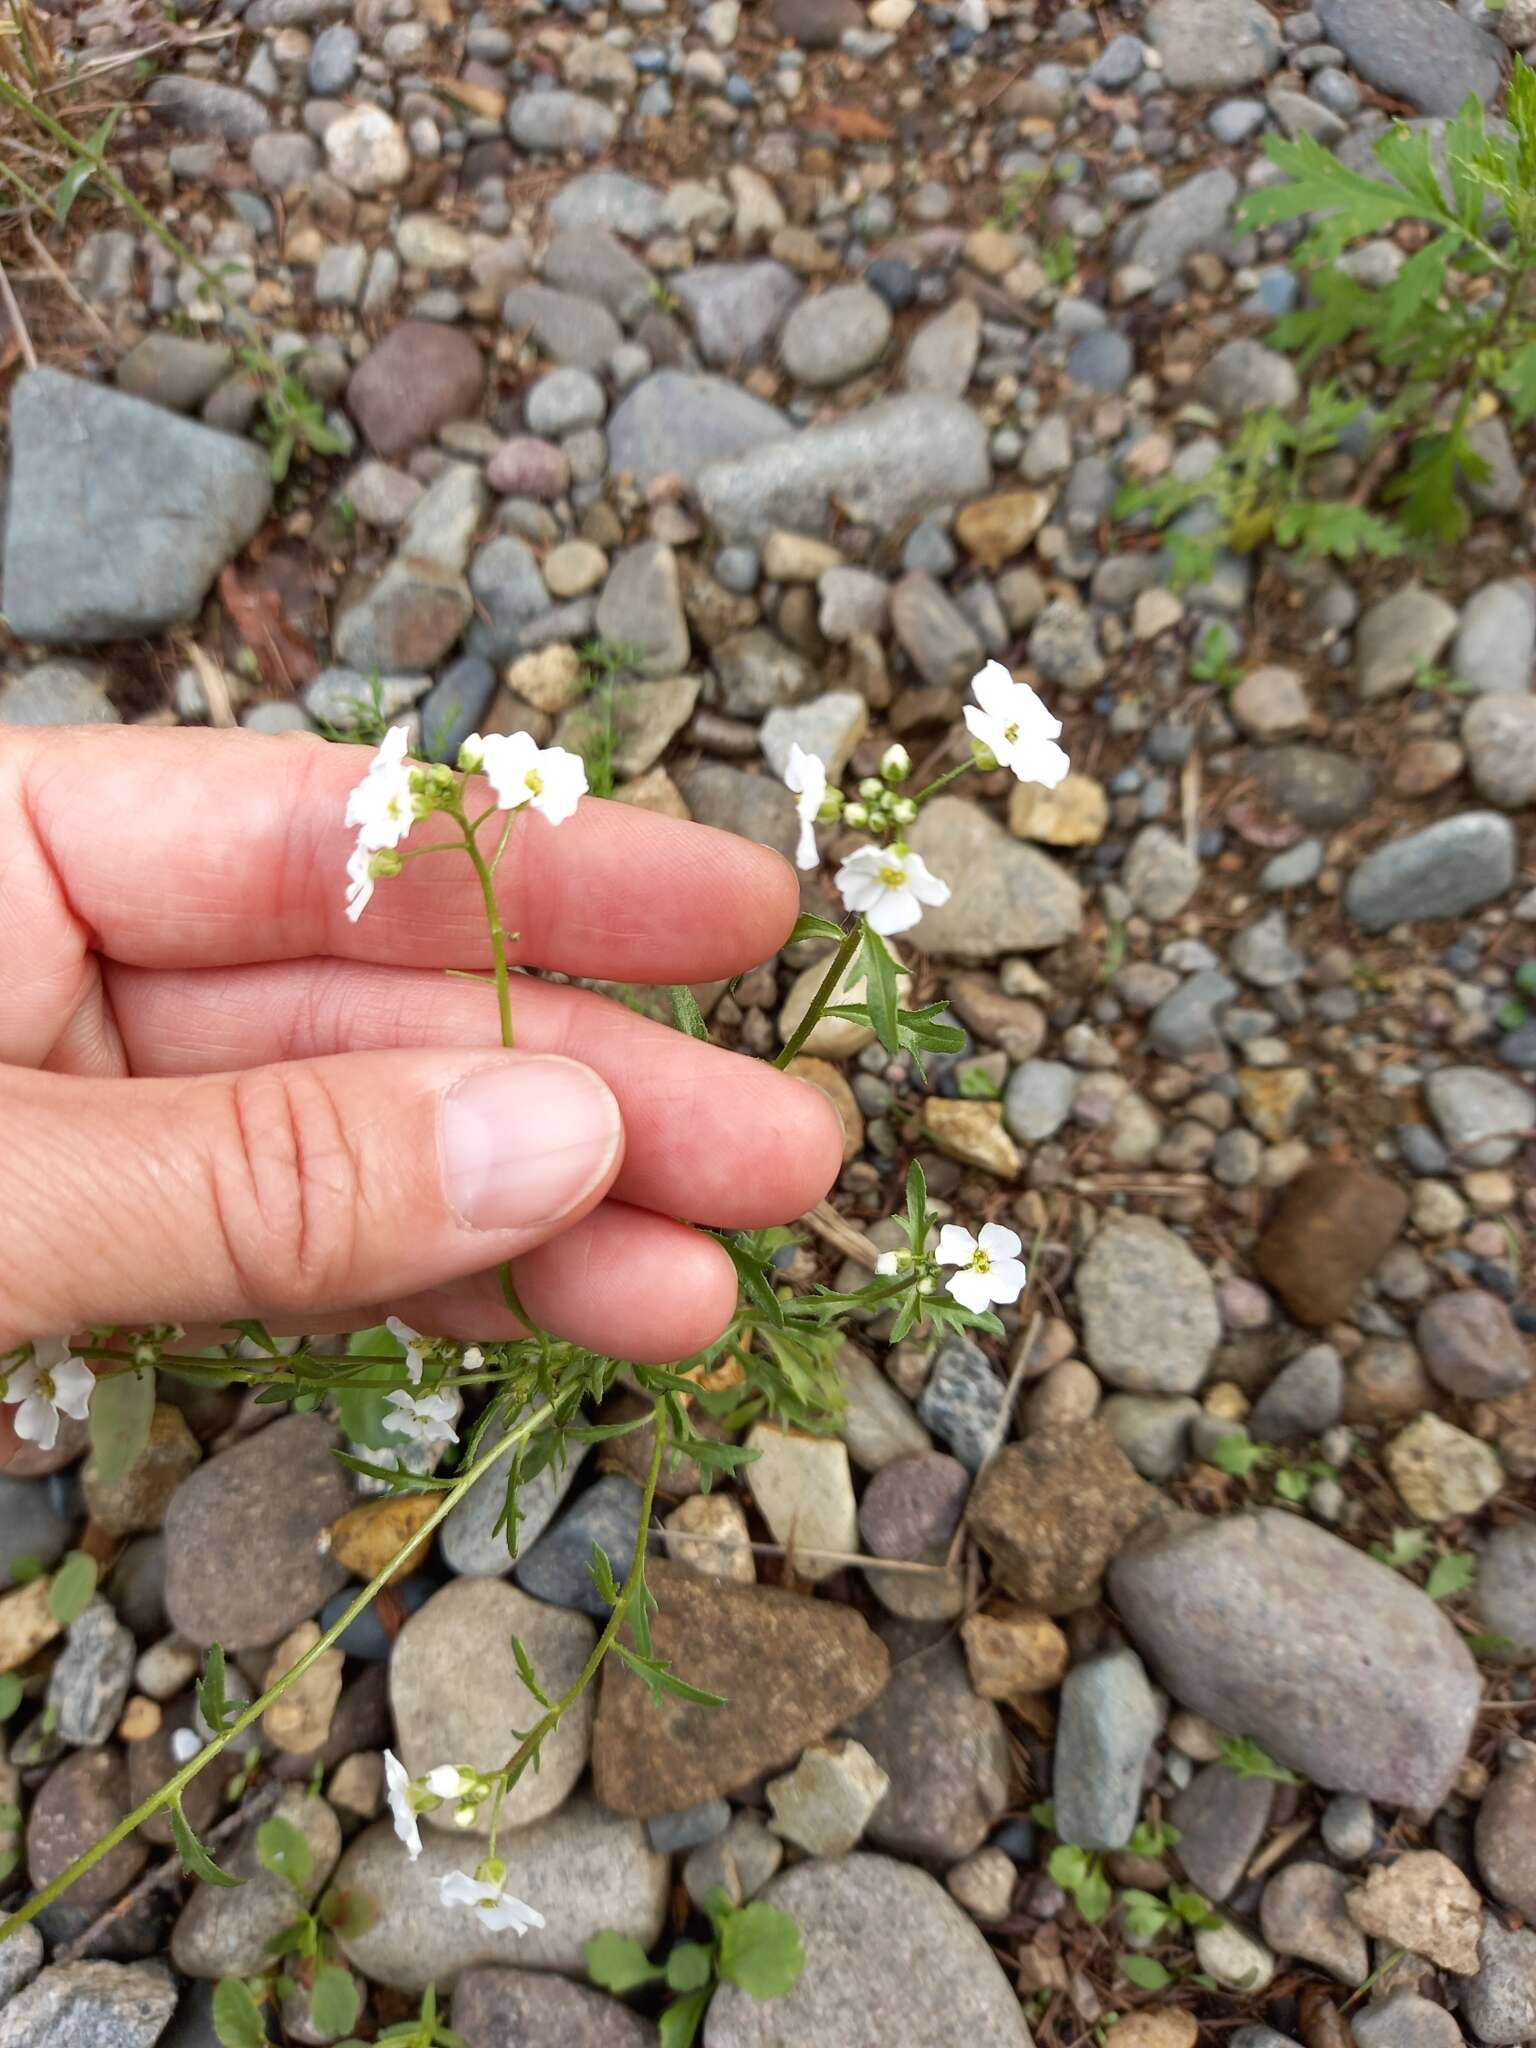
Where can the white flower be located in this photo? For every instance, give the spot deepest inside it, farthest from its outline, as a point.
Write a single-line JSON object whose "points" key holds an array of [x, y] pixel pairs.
{"points": [[1016, 727], [552, 779], [359, 882], [424, 1418], [397, 1780], [492, 1906], [380, 805], [888, 1264], [49, 1383], [990, 1267], [806, 779], [444, 1781], [889, 885], [410, 1342]]}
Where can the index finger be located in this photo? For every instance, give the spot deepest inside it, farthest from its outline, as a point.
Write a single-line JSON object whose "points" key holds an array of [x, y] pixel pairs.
{"points": [[216, 849]]}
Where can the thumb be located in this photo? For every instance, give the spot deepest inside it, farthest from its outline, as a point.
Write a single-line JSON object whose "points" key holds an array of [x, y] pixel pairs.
{"points": [[305, 1188]]}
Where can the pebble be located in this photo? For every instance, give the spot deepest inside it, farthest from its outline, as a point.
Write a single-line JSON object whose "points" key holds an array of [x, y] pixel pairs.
{"points": [[824, 1804], [1053, 1510], [90, 1679], [1348, 1827], [962, 1402], [1108, 1721], [90, 2005], [944, 1750], [1445, 870], [911, 1510], [1150, 1320], [530, 2005], [708, 1533], [740, 1861], [1471, 1347], [1440, 1471], [803, 1489], [1221, 1818], [835, 335], [1330, 1231], [1405, 2021], [1424, 1904], [1303, 1914]]}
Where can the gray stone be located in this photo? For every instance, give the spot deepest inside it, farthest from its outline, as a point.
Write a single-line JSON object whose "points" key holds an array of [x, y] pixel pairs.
{"points": [[1348, 1827], [174, 370], [568, 329], [1303, 1914], [1505, 1835], [1495, 644], [829, 727], [31, 1527], [595, 265], [1245, 376], [472, 1545], [942, 355], [563, 402], [225, 1933], [758, 673], [1499, 2003], [1160, 874], [1504, 1592], [890, 1958], [1038, 1100], [452, 709], [509, 594], [1401, 635], [1302, 1400], [885, 466], [201, 106], [333, 60], [945, 1752], [584, 1869], [1148, 1308], [740, 1861], [736, 309], [1221, 1818], [1194, 216], [82, 1799], [1263, 954], [1338, 1666], [421, 375], [1213, 45], [1152, 1430], [1319, 789], [675, 423], [89, 1681], [284, 157], [156, 504], [755, 806], [1234, 121], [515, 2008], [1405, 2021], [1499, 734], [60, 692], [1449, 868], [1188, 1022], [561, 121], [910, 1510], [91, 2005], [1102, 361], [962, 1402], [556, 1568], [1483, 1116], [646, 718], [642, 606], [406, 620], [1005, 897], [689, 1827], [1064, 647], [457, 1697], [1417, 50], [609, 199], [21, 1957], [1470, 1346], [833, 336], [1107, 1724]]}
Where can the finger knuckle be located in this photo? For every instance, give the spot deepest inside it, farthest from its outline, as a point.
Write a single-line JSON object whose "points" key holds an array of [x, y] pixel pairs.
{"points": [[286, 1191]]}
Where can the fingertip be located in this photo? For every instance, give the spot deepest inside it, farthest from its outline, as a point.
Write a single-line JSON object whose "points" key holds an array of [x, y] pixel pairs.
{"points": [[701, 1308], [820, 1141]]}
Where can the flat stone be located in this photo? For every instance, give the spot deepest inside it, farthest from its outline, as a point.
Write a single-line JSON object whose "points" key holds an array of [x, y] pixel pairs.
{"points": [[815, 24], [1303, 1914], [223, 1933], [1005, 897], [1471, 1347], [1267, 1624], [609, 199], [790, 1669], [31, 1527], [886, 466], [1195, 216], [595, 265], [1012, 1653], [173, 370], [91, 2005], [835, 335], [755, 806], [1402, 2021], [1504, 1592], [90, 1679], [201, 106], [942, 355], [1422, 1903], [676, 422], [1221, 1818], [935, 635], [1495, 642], [566, 328], [1302, 1400], [1416, 50], [1449, 868], [1107, 1723], [509, 595], [962, 1401], [1333, 1226], [889, 1957], [60, 692], [1320, 789], [560, 121], [420, 376], [1150, 1320], [587, 1871], [945, 1752], [830, 727], [1499, 2003], [736, 309], [406, 620], [910, 1510], [973, 1133], [1053, 1510], [804, 1491], [457, 1697], [1212, 45], [1038, 1099], [247, 1556], [1482, 1115], [708, 1533], [823, 1805], [157, 504], [507, 2008], [641, 606], [82, 1799]]}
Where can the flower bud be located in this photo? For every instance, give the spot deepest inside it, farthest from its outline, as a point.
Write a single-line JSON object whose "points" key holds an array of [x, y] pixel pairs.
{"points": [[491, 1871], [903, 810], [983, 756], [385, 864], [856, 814], [831, 807], [897, 763], [471, 757], [871, 789]]}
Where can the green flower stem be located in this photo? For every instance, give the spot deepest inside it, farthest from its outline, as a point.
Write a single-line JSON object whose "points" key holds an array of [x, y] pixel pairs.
{"points": [[485, 875], [529, 1746], [824, 994], [170, 1792], [943, 781]]}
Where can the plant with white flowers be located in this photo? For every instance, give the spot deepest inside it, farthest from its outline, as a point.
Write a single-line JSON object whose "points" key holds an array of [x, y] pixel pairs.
{"points": [[401, 1395]]}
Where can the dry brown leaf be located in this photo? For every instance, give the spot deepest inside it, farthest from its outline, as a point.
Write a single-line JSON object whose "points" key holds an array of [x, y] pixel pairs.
{"points": [[852, 124]]}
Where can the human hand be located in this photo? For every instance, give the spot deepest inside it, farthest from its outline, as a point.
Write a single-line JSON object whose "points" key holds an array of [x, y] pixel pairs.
{"points": [[222, 1099]]}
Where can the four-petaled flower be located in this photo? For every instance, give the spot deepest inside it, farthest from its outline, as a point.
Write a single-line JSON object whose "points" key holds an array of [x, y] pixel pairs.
{"points": [[1015, 727], [380, 806], [889, 886], [990, 1267], [399, 1786], [550, 779], [50, 1382], [493, 1907], [424, 1418], [806, 780]]}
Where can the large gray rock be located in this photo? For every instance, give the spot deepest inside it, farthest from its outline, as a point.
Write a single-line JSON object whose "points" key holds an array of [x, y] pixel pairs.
{"points": [[1418, 50], [201, 106], [512, 2008], [225, 1933], [1005, 897], [1495, 642], [121, 513], [885, 466], [1150, 1320], [735, 309], [1213, 45], [1271, 1627], [1482, 1114], [1193, 216], [91, 2005], [889, 1957], [675, 423], [582, 1868], [1453, 866]]}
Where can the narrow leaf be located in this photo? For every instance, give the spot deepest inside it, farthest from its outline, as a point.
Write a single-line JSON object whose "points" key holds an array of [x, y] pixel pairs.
{"points": [[194, 1855], [880, 988], [808, 927], [122, 1410], [686, 1014], [526, 1673], [678, 2026]]}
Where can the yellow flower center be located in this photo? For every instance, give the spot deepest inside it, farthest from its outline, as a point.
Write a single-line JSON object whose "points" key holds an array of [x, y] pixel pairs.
{"points": [[893, 877], [980, 1262], [535, 782], [1010, 733]]}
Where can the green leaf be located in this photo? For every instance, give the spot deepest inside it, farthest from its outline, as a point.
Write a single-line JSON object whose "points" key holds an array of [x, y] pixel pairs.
{"points": [[1067, 1866], [661, 1681], [194, 1855], [1145, 1971], [211, 1701], [1425, 488], [525, 1670], [600, 1572], [334, 2002], [1240, 1753], [284, 1851], [1406, 1548], [1519, 383], [1143, 1914], [1490, 1645], [1329, 527], [1452, 1574], [752, 1277], [1238, 1454], [879, 971], [1350, 203], [690, 1965], [74, 1585], [348, 1913], [1094, 1895], [761, 1950], [236, 2015], [1292, 1484], [618, 1963], [122, 1409], [686, 1014], [1192, 1909], [10, 1694], [678, 2026], [808, 927], [258, 1334]]}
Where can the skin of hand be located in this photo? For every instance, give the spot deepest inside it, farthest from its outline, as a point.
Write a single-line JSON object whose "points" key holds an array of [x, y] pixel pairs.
{"points": [[219, 1098]]}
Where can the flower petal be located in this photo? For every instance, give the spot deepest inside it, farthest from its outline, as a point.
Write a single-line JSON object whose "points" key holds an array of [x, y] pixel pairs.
{"points": [[969, 1288], [999, 1242], [956, 1246], [1006, 1281]]}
